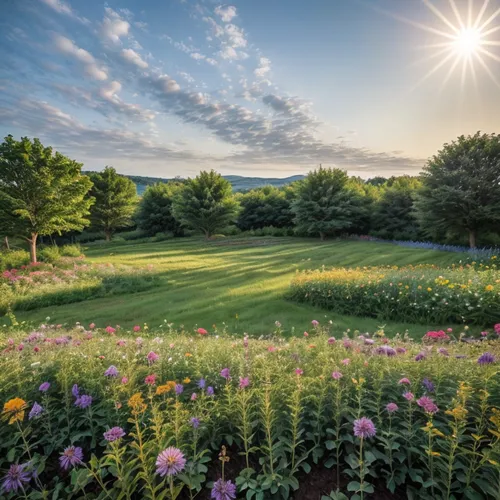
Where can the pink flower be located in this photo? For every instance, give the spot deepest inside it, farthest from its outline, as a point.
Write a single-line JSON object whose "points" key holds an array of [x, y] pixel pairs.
{"points": [[244, 382], [150, 379], [152, 357], [306, 334], [202, 331], [299, 372], [194, 396], [20, 347], [337, 375], [137, 328], [36, 349], [271, 348], [484, 334], [497, 328], [409, 396], [331, 340], [110, 330], [92, 326], [404, 381], [314, 323], [172, 346], [449, 330], [346, 361], [124, 380]]}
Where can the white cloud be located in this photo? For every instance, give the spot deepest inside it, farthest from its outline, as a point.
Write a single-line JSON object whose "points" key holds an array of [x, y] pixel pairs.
{"points": [[168, 85], [113, 26], [133, 57], [63, 8], [236, 36], [211, 61], [110, 95], [187, 77], [197, 56], [217, 30], [263, 68], [141, 25], [66, 46], [226, 13]]}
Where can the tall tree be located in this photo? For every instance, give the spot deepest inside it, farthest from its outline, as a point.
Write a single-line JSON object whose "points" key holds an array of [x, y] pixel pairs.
{"points": [[206, 203], [115, 201], [324, 204], [155, 209], [461, 187], [41, 192]]}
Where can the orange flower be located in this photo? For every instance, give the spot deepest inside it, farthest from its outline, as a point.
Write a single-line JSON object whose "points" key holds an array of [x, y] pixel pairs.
{"points": [[136, 403], [13, 410], [188, 355], [168, 387]]}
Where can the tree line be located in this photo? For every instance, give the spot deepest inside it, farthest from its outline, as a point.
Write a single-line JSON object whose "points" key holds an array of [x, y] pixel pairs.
{"points": [[43, 192]]}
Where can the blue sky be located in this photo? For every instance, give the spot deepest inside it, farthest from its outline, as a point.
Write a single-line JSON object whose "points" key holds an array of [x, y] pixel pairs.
{"points": [[255, 87]]}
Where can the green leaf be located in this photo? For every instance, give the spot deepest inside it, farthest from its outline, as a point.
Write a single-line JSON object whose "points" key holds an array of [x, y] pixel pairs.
{"points": [[354, 486]]}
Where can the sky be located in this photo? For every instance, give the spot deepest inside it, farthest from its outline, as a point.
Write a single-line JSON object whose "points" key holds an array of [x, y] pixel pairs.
{"points": [[267, 88]]}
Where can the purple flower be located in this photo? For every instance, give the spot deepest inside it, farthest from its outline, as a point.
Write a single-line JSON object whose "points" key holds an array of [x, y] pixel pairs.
{"points": [[225, 373], [195, 422], [35, 411], [331, 340], [17, 476], [83, 401], [170, 462], [386, 350], [427, 404], [201, 383], [443, 351], [114, 434], [210, 391], [409, 396], [392, 407], [44, 387], [179, 389], [337, 375], [420, 356], [364, 428], [486, 359], [244, 382], [152, 357], [75, 391], [112, 371], [369, 341], [400, 350], [71, 456], [223, 490], [429, 386]]}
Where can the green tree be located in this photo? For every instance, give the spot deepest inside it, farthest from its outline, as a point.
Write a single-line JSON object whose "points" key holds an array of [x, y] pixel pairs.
{"points": [[41, 192], [264, 207], [155, 209], [206, 203], [461, 187], [115, 201], [325, 203]]}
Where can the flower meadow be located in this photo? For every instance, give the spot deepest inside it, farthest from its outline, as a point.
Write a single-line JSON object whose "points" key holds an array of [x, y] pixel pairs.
{"points": [[420, 294], [92, 412]]}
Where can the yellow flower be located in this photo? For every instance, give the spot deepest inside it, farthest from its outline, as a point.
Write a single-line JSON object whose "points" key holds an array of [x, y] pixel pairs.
{"points": [[137, 404], [429, 289], [186, 380], [13, 410], [489, 288]]}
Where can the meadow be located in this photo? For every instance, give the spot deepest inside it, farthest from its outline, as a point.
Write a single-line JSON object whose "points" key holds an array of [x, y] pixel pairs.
{"points": [[238, 284]]}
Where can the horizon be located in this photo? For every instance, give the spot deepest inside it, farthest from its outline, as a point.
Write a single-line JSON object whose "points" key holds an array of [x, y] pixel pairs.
{"points": [[255, 90]]}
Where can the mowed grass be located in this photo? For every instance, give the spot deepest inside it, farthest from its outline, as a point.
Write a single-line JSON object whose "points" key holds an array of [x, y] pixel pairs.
{"points": [[241, 283]]}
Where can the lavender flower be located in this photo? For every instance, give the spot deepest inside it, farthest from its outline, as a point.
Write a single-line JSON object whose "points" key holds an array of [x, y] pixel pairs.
{"points": [[112, 371], [83, 401], [201, 383], [71, 456], [420, 356], [36, 411], [428, 405], [44, 387], [17, 476], [225, 373], [368, 341], [392, 407], [210, 391], [331, 340], [114, 434], [179, 389], [409, 396], [364, 428], [223, 490], [337, 375], [386, 350], [75, 391], [429, 386], [195, 422], [400, 350], [170, 462], [486, 359], [244, 382], [443, 351]]}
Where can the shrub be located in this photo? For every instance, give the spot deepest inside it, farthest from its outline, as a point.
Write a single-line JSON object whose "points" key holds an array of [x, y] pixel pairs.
{"points": [[425, 423], [421, 294], [49, 254], [13, 259], [71, 251]]}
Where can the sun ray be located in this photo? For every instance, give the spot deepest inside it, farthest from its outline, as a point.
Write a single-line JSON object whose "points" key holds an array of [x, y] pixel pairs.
{"points": [[464, 74], [430, 57], [469, 14], [441, 16], [473, 72], [490, 42], [450, 72], [481, 13], [433, 70], [489, 32], [490, 54], [488, 70], [489, 20], [457, 13]]}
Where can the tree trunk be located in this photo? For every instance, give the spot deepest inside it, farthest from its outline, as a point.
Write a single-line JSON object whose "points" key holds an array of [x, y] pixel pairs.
{"points": [[32, 243], [207, 234], [472, 238], [7, 246], [322, 236], [107, 234]]}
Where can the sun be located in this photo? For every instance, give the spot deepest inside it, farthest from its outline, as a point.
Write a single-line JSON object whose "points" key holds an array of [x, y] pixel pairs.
{"points": [[468, 41]]}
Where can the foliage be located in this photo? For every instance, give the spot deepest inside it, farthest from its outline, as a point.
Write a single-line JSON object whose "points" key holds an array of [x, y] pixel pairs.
{"points": [[265, 207], [206, 203], [425, 294], [41, 193], [115, 201], [461, 188], [13, 258], [276, 410], [155, 209]]}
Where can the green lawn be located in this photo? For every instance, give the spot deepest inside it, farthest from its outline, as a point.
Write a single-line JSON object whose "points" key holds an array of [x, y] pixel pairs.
{"points": [[239, 282]]}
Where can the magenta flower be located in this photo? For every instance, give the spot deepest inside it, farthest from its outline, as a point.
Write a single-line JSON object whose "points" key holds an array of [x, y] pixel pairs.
{"points": [[392, 407], [420, 356], [152, 357], [137, 328], [346, 361], [112, 371], [225, 373], [404, 381], [114, 434], [299, 372], [331, 340], [194, 396], [150, 379], [244, 382], [497, 328], [124, 380], [364, 428], [44, 387], [314, 323], [17, 476], [71, 456], [337, 375], [170, 462], [110, 330], [409, 396], [428, 405], [223, 490]]}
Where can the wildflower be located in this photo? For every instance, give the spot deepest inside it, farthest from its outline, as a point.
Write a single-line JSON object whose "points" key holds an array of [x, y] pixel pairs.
{"points": [[14, 410], [35, 411], [409, 396], [15, 479], [427, 404], [188, 355], [44, 387], [202, 331], [83, 401], [484, 334], [497, 328], [347, 343], [225, 373], [331, 340], [168, 387], [486, 359], [429, 386], [420, 356], [449, 330], [400, 350], [121, 342], [314, 323], [137, 328], [194, 396], [179, 389], [152, 357], [364, 428], [170, 462], [114, 434], [195, 422], [489, 288], [299, 372], [223, 490], [244, 382], [71, 456], [306, 334], [369, 341], [337, 375], [210, 391], [187, 380], [150, 379], [92, 326], [110, 330], [385, 350], [392, 407], [112, 371], [139, 341], [201, 383], [346, 361], [75, 390], [443, 351], [136, 403], [124, 380]]}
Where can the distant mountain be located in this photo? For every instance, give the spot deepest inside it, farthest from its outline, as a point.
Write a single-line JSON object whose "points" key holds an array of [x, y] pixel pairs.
{"points": [[238, 182]]}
